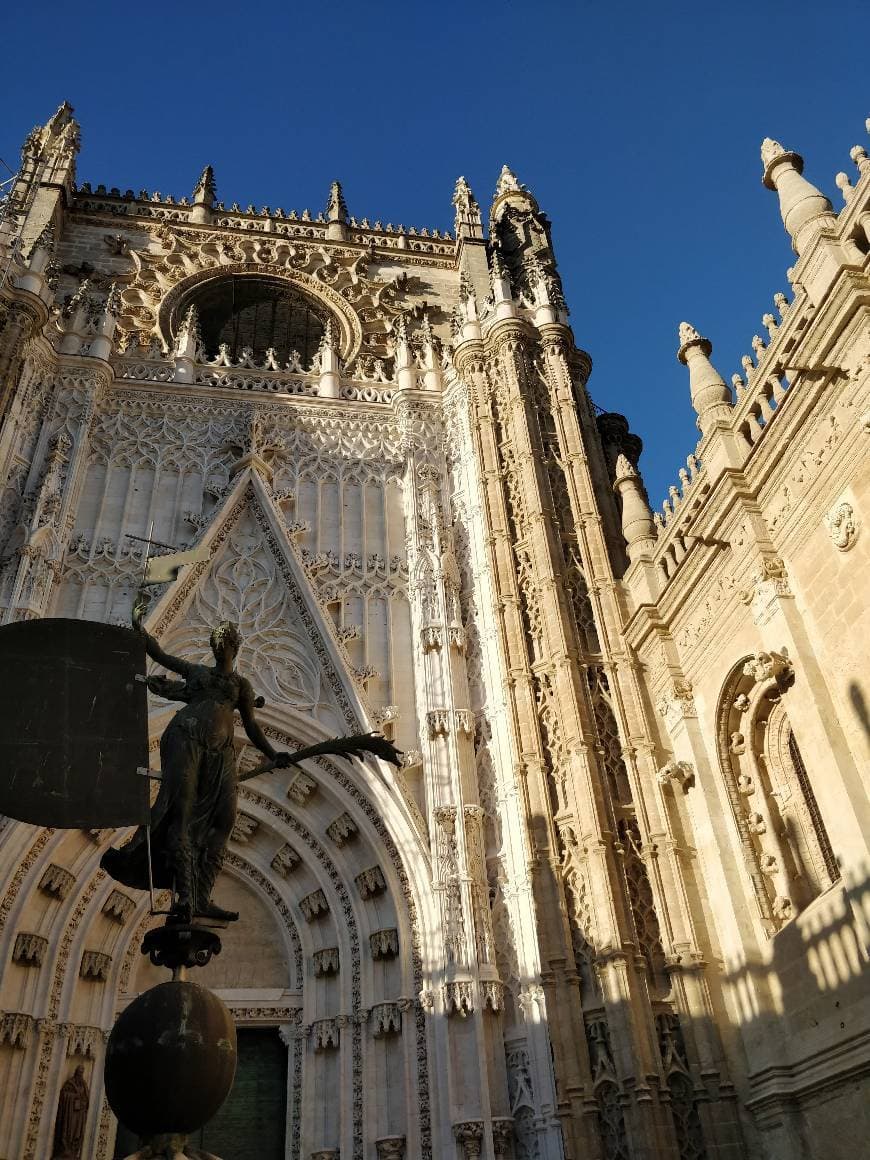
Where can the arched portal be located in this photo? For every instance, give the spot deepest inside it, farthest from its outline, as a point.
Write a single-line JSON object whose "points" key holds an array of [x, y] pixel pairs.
{"points": [[788, 851]]}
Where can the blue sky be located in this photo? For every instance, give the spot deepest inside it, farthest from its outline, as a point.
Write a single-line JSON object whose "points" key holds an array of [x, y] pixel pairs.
{"points": [[636, 125]]}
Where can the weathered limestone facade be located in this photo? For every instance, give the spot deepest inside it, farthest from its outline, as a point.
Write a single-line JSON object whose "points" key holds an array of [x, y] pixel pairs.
{"points": [[615, 904]]}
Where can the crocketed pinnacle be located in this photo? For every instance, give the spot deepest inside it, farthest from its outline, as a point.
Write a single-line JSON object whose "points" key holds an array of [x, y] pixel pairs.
{"points": [[205, 190], [336, 207], [507, 181]]}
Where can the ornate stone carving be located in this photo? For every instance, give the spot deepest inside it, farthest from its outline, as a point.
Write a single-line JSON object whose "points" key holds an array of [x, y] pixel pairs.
{"points": [[285, 861], [29, 949], [244, 828], [16, 1029], [676, 702], [313, 905], [492, 995], [119, 906], [84, 1042], [680, 773], [469, 1134], [384, 944], [502, 1136], [56, 881], [371, 882], [843, 526], [326, 961], [770, 666], [342, 830], [390, 1147], [301, 787], [458, 998], [386, 1019], [325, 1034], [95, 966]]}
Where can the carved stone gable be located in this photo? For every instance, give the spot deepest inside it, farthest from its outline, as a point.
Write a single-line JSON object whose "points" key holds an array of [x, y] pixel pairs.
{"points": [[254, 580]]}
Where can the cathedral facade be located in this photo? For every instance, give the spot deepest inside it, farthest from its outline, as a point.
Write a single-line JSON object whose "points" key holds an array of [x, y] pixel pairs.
{"points": [[614, 904]]}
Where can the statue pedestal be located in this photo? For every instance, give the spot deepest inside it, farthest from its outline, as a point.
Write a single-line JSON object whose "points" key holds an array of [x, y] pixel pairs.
{"points": [[181, 945]]}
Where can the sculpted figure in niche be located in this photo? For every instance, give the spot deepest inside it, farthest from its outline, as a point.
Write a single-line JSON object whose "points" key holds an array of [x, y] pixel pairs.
{"points": [[195, 810], [72, 1114]]}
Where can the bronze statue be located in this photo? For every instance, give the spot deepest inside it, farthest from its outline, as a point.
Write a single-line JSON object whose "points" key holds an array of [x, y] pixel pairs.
{"points": [[195, 810], [72, 1114]]}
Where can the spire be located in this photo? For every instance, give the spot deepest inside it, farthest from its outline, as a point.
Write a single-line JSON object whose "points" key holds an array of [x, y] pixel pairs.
{"points": [[804, 208], [637, 519], [205, 190], [467, 223], [336, 214], [336, 207], [711, 398]]}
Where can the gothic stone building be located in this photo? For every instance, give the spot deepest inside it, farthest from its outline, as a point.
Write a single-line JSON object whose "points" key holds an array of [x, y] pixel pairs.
{"points": [[614, 904]]}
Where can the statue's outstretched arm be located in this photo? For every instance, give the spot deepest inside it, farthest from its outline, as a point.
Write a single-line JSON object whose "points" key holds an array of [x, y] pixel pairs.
{"points": [[171, 690], [253, 729], [176, 664]]}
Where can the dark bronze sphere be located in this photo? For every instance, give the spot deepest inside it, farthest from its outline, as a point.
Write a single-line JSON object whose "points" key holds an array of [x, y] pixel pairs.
{"points": [[171, 1060]]}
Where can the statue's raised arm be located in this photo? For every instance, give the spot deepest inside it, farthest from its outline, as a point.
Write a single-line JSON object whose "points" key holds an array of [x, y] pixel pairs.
{"points": [[140, 608]]}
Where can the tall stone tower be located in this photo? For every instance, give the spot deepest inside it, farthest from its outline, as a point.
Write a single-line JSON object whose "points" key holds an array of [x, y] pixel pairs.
{"points": [[610, 908]]}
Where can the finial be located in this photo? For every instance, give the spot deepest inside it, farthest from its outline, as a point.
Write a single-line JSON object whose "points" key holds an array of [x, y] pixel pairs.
{"points": [[327, 342], [801, 205], [507, 181], [336, 208], [844, 185], [688, 334], [770, 150], [859, 156], [463, 198], [710, 396], [205, 190], [624, 467]]}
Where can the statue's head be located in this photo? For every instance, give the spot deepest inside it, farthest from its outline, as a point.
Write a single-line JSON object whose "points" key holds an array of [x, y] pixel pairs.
{"points": [[225, 640]]}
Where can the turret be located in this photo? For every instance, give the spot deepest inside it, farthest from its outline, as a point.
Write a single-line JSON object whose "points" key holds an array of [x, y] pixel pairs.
{"points": [[805, 210], [711, 398], [637, 518], [203, 197], [336, 213]]}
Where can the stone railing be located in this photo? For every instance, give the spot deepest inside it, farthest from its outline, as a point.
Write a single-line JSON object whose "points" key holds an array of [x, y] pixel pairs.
{"points": [[773, 372], [127, 203], [678, 511], [151, 369]]}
